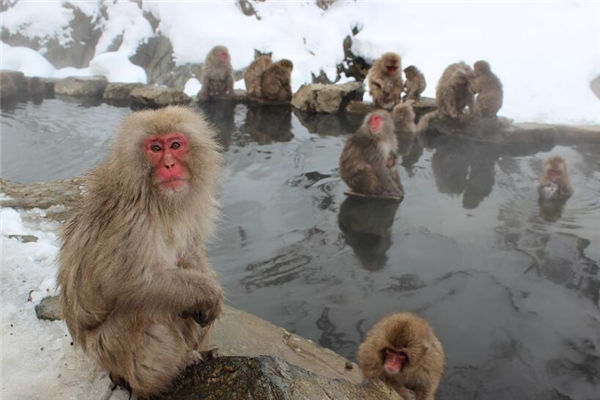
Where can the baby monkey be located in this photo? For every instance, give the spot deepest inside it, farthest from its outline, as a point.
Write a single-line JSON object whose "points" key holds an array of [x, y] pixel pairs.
{"points": [[403, 351]]}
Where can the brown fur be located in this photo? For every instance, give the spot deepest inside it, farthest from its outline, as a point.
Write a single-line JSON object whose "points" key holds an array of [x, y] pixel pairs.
{"points": [[555, 173], [488, 88], [425, 365], [217, 78], [404, 118], [133, 260], [385, 87], [368, 161], [253, 75], [276, 81], [453, 92], [415, 83]]}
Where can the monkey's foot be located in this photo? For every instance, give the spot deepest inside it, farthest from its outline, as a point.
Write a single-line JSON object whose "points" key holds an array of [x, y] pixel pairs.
{"points": [[194, 357], [407, 394]]}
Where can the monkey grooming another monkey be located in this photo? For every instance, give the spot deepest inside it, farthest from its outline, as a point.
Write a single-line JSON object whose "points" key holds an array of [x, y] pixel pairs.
{"points": [[217, 73], [253, 75], [488, 88], [138, 292], [403, 351], [415, 83], [554, 182], [276, 81], [385, 81], [453, 92], [368, 160]]}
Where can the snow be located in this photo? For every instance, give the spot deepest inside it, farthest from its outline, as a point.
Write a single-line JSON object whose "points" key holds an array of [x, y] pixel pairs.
{"points": [[545, 53]]}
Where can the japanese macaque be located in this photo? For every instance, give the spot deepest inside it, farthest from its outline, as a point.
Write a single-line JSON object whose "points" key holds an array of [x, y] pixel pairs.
{"points": [[415, 83], [403, 351], [253, 75], [276, 81], [138, 292], [453, 92], [404, 118], [368, 160], [385, 81], [217, 73], [488, 88], [554, 182]]}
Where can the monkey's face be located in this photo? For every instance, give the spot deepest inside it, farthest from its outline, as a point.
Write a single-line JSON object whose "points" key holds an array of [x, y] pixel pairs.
{"points": [[555, 170], [394, 360], [167, 154], [223, 57], [375, 122], [391, 68], [410, 73]]}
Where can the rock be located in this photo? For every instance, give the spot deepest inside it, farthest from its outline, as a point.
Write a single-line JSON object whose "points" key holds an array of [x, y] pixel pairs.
{"points": [[266, 378], [8, 89], [318, 97], [88, 86], [353, 66], [157, 96], [595, 86], [248, 9], [49, 309], [238, 96], [24, 238], [119, 93], [15, 86], [421, 107]]}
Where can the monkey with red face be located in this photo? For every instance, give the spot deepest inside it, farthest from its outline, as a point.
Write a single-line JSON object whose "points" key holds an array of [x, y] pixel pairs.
{"points": [[138, 292], [217, 73]]}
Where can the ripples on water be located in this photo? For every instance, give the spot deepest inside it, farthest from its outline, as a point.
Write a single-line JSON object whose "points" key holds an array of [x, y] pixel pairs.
{"points": [[511, 289]]}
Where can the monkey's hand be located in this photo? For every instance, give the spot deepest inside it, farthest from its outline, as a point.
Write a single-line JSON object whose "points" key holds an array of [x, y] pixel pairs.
{"points": [[391, 161], [208, 310]]}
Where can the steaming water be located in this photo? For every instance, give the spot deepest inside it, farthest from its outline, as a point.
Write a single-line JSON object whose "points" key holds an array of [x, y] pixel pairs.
{"points": [[512, 290]]}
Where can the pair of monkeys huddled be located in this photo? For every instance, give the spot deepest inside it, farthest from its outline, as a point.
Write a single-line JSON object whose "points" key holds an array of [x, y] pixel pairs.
{"points": [[138, 293], [456, 88]]}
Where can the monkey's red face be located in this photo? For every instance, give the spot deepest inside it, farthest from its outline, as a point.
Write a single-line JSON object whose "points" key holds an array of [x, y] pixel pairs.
{"points": [[394, 360], [223, 57], [391, 69], [375, 123], [167, 154]]}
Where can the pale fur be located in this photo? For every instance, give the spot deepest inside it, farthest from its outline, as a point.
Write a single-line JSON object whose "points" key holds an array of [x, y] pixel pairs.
{"points": [[424, 369], [133, 258], [415, 83], [276, 81], [488, 88], [385, 88], [253, 75], [217, 79], [364, 158], [404, 118], [453, 92]]}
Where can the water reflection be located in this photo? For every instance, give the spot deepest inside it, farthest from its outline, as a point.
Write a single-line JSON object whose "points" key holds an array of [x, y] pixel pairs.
{"points": [[366, 224], [220, 113], [268, 123]]}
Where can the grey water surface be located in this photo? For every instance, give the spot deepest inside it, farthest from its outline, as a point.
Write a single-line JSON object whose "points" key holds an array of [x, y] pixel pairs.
{"points": [[511, 288]]}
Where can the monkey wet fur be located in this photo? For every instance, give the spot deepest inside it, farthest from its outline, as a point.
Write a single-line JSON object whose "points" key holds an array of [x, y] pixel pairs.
{"points": [[138, 292]]}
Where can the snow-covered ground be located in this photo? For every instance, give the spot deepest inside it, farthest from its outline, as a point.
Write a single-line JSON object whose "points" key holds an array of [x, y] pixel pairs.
{"points": [[546, 53]]}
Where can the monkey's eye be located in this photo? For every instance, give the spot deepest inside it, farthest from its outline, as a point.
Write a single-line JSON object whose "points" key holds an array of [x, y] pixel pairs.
{"points": [[175, 145], [155, 148]]}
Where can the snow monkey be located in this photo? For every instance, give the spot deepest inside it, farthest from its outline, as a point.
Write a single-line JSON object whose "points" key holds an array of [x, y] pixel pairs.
{"points": [[453, 91], [385, 80], [217, 73], [252, 75], [415, 83], [368, 160], [403, 351], [404, 118], [488, 88], [554, 182], [138, 292], [276, 81]]}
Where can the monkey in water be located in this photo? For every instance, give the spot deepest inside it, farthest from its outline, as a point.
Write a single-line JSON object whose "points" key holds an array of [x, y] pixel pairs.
{"points": [[253, 75], [488, 88], [453, 92], [385, 81], [415, 83], [138, 292], [368, 160], [404, 118], [276, 81], [217, 73], [554, 182], [403, 351]]}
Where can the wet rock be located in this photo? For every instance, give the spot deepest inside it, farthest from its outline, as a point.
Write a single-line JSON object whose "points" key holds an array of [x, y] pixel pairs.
{"points": [[24, 238], [119, 93], [36, 88], [8, 89], [88, 86], [421, 107], [14, 86], [266, 378], [157, 96], [49, 309], [595, 86], [318, 97]]}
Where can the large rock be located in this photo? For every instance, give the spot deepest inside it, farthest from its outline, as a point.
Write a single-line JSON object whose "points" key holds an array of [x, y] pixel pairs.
{"points": [[318, 97], [157, 97], [87, 86], [13, 86], [119, 93], [423, 106]]}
